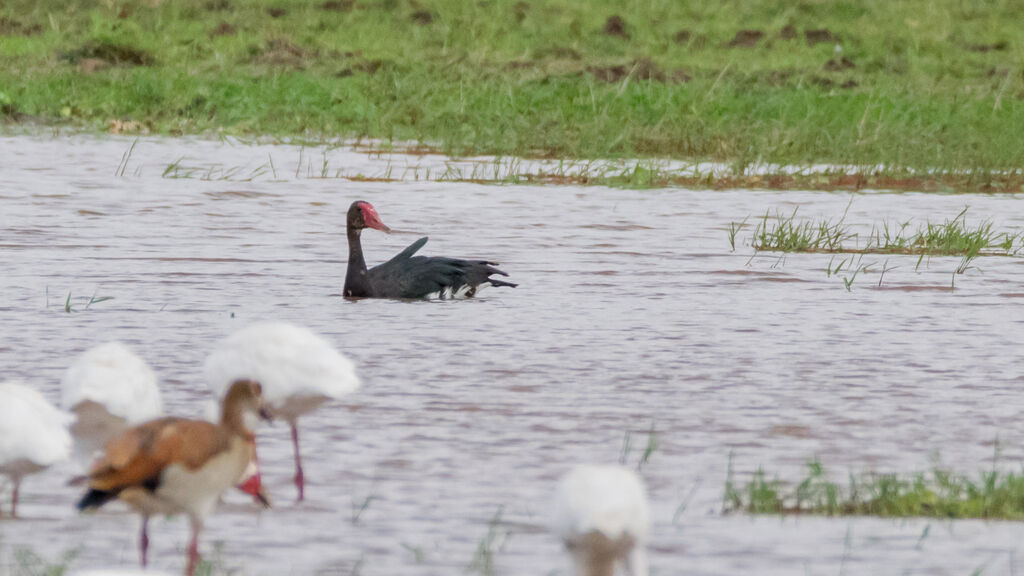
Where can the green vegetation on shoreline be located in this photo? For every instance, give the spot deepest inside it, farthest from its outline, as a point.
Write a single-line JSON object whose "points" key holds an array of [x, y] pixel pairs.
{"points": [[939, 494], [907, 86]]}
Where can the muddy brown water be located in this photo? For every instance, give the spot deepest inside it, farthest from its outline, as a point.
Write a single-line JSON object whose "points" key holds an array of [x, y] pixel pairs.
{"points": [[632, 312]]}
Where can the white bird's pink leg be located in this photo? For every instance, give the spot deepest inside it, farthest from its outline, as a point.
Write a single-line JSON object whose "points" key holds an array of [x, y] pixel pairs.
{"points": [[14, 499], [300, 478]]}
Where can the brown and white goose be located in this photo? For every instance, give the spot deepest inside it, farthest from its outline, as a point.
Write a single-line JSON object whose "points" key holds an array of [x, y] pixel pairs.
{"points": [[179, 466]]}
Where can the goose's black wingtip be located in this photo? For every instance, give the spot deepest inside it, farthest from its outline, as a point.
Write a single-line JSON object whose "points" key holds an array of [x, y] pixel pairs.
{"points": [[502, 283]]}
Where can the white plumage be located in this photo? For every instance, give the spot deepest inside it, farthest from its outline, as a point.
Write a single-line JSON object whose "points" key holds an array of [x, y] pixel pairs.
{"points": [[33, 434], [108, 388], [601, 513], [298, 369]]}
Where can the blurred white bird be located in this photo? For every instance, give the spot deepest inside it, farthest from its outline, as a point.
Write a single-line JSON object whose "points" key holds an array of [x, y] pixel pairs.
{"points": [[298, 369], [601, 514], [33, 434], [108, 388]]}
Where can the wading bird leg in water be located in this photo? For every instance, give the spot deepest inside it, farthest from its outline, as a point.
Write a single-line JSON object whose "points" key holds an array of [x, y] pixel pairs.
{"points": [[144, 541], [300, 478], [193, 548]]}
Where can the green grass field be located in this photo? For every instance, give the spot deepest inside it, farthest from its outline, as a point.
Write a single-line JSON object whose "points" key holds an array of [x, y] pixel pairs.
{"points": [[905, 85]]}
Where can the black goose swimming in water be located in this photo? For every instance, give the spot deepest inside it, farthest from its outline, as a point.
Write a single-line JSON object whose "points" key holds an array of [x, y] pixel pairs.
{"points": [[407, 275]]}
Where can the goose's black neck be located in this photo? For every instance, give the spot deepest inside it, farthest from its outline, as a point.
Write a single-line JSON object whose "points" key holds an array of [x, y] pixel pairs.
{"points": [[357, 282]]}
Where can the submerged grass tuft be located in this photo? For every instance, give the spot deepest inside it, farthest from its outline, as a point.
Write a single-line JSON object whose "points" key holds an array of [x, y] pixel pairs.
{"points": [[939, 493], [953, 237]]}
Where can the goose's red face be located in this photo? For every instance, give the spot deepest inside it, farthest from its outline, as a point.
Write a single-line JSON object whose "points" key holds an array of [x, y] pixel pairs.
{"points": [[371, 219]]}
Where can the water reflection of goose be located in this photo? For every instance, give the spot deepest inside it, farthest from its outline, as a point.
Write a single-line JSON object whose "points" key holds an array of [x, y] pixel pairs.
{"points": [[33, 435], [108, 388], [406, 275], [602, 516], [299, 371], [178, 466]]}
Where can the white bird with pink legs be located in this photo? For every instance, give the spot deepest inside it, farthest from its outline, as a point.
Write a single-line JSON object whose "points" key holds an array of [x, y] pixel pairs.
{"points": [[33, 435], [299, 371]]}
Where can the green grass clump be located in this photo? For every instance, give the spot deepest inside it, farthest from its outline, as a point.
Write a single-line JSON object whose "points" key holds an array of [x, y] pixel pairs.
{"points": [[784, 233], [940, 494], [906, 88]]}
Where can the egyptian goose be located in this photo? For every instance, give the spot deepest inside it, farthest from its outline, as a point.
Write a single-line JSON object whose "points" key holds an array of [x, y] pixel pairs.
{"points": [[108, 388], [602, 516], [33, 435], [406, 275], [298, 369], [174, 465]]}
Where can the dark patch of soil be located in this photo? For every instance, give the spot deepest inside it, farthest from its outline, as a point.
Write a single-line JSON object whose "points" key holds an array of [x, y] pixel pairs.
{"points": [[838, 64], [276, 12], [641, 69], [819, 36], [422, 17], [999, 46], [849, 84], [222, 29], [682, 37], [369, 67], [116, 54], [520, 10], [746, 38], [788, 32], [615, 26], [217, 5], [822, 82], [338, 5], [10, 27]]}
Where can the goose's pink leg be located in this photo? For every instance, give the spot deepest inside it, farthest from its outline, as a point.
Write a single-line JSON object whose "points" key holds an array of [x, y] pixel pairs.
{"points": [[193, 549]]}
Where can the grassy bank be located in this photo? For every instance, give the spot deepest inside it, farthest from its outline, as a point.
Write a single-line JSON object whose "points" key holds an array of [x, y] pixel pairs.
{"points": [[909, 85], [939, 494]]}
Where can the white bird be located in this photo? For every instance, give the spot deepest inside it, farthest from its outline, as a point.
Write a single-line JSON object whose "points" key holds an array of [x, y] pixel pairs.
{"points": [[108, 388], [179, 466], [298, 369], [33, 434], [601, 514]]}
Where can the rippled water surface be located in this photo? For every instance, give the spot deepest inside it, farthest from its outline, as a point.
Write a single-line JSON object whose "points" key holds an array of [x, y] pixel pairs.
{"points": [[632, 313]]}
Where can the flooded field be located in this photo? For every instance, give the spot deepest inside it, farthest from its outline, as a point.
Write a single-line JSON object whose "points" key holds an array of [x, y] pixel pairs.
{"points": [[632, 314]]}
